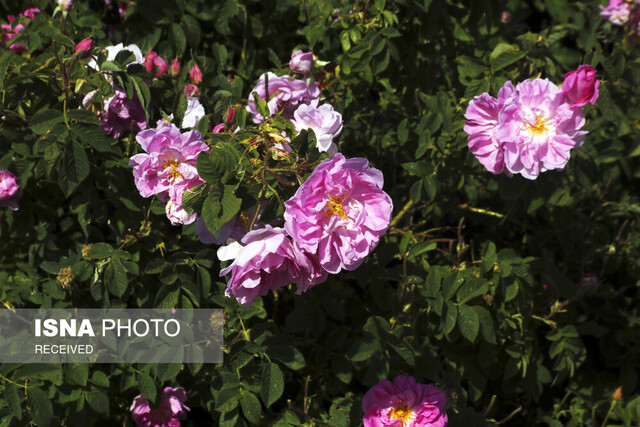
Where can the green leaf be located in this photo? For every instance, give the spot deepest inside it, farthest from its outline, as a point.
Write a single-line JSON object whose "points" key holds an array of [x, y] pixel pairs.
{"points": [[505, 54], [100, 378], [469, 323], [403, 131], [100, 251], [450, 317], [178, 39], [41, 407], [272, 383], [472, 288], [451, 285], [486, 324], [116, 278], [44, 121], [147, 386], [5, 61], [167, 371], [251, 407], [76, 163], [13, 400], [98, 400], [77, 373]]}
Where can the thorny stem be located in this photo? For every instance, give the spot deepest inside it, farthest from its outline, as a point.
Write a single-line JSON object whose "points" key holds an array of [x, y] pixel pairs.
{"points": [[606, 418]]}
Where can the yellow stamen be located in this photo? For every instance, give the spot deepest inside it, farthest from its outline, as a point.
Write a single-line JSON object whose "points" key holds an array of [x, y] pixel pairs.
{"points": [[539, 127], [335, 207], [174, 173], [402, 413]]}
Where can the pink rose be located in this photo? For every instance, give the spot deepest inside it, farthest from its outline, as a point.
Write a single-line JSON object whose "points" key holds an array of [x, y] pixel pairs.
{"points": [[339, 213], [169, 160], [301, 62], [168, 413], [324, 121], [152, 62], [267, 260], [9, 194], [617, 12], [404, 403], [285, 95], [84, 48], [195, 74], [191, 90], [122, 114], [175, 68], [581, 86]]}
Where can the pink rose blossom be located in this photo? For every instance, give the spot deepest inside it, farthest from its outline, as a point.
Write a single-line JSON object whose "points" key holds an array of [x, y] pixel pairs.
{"points": [[268, 260], [168, 164], [301, 62], [219, 128], [581, 86], [539, 129], [84, 48], [195, 74], [122, 114], [174, 209], [9, 31], [482, 121], [285, 95], [404, 403], [175, 68], [153, 62], [617, 12], [589, 281], [325, 123], [168, 413], [191, 90], [9, 194], [339, 213]]}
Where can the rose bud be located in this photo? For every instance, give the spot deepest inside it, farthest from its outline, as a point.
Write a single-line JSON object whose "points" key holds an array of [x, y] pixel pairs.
{"points": [[195, 74], [581, 86], [84, 48]]}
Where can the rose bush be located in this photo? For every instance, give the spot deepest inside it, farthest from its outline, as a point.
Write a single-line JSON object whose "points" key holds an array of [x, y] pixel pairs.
{"points": [[412, 212]]}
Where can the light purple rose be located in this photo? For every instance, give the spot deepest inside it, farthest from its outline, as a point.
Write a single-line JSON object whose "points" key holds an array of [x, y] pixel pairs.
{"points": [[301, 62], [617, 12], [404, 403], [482, 121], [339, 213], [324, 121], [168, 413], [539, 129], [174, 209], [267, 261], [581, 86], [168, 163], [9, 194], [285, 95], [122, 114]]}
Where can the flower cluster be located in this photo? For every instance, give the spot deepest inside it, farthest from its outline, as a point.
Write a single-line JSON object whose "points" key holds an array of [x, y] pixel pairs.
{"points": [[168, 167], [9, 194], [9, 31], [298, 101], [531, 128], [334, 220], [168, 413], [404, 403], [617, 12]]}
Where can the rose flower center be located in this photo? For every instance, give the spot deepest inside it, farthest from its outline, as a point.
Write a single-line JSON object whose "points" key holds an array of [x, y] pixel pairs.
{"points": [[401, 412], [174, 172], [335, 207], [539, 127]]}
